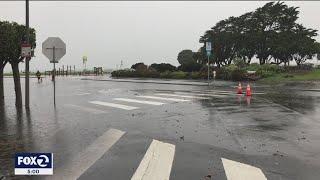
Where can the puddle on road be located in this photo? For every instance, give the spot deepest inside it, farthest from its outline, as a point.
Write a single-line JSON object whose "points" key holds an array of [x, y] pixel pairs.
{"points": [[15, 136]]}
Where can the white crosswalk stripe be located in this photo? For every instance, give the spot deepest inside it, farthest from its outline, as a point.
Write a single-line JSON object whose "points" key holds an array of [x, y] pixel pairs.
{"points": [[103, 91], [83, 160], [182, 96], [238, 171], [156, 163], [163, 98], [226, 92], [81, 94], [87, 109], [216, 91], [139, 101], [203, 94], [114, 105]]}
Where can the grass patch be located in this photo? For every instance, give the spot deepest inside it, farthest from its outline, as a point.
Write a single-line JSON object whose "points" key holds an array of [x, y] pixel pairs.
{"points": [[313, 75]]}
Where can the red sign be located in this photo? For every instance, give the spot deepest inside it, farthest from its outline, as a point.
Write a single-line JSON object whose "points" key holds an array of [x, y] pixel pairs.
{"points": [[25, 50]]}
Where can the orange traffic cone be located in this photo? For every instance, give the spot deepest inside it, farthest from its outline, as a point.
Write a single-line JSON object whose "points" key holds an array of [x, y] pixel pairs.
{"points": [[239, 89], [248, 92]]}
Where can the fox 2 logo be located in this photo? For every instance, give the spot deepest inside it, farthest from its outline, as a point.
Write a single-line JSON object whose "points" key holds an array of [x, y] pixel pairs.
{"points": [[33, 163]]}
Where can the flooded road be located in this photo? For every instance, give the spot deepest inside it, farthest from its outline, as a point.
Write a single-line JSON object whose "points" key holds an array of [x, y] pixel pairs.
{"points": [[276, 130]]}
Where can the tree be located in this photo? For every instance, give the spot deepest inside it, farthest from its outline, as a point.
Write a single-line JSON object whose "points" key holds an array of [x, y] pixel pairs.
{"points": [[11, 51], [4, 40], [140, 67], [163, 67], [134, 66], [273, 18], [187, 61], [304, 46], [270, 33]]}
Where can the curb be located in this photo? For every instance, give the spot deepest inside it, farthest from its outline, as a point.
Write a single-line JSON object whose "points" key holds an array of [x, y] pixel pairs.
{"points": [[188, 84]]}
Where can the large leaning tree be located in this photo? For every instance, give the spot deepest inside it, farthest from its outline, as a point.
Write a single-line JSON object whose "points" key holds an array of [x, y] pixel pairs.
{"points": [[270, 33], [11, 36], [4, 34]]}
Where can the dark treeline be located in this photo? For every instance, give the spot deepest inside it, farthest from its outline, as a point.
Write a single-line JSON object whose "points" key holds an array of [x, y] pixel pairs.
{"points": [[270, 33]]}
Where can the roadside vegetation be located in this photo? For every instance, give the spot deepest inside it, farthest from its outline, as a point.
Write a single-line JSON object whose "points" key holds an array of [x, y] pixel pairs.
{"points": [[270, 35], [12, 35]]}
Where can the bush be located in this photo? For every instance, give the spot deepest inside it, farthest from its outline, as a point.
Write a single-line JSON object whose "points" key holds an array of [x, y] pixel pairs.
{"points": [[269, 67], [222, 74], [267, 70], [239, 63], [174, 75], [306, 66], [163, 67], [140, 65], [190, 67], [166, 75], [231, 67], [132, 73], [179, 75], [231, 72], [263, 73], [238, 74], [123, 73], [253, 67], [196, 75]]}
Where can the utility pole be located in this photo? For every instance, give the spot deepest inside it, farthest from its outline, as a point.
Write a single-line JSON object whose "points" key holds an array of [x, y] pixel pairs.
{"points": [[27, 59]]}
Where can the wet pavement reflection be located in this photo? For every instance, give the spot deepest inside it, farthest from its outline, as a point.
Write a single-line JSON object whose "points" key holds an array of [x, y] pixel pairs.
{"points": [[282, 121]]}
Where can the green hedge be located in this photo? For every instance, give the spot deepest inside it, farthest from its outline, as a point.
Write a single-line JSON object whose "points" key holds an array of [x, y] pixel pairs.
{"points": [[235, 72], [133, 73], [231, 72], [155, 74]]}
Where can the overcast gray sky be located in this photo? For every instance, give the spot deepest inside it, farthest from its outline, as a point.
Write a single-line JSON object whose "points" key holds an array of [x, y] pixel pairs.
{"points": [[108, 32]]}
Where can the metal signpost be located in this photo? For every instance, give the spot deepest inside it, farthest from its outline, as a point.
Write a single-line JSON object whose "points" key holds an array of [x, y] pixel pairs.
{"points": [[208, 49], [26, 52], [54, 49]]}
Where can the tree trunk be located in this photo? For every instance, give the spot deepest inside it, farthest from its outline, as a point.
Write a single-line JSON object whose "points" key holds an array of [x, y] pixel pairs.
{"points": [[17, 85], [262, 61], [1, 85]]}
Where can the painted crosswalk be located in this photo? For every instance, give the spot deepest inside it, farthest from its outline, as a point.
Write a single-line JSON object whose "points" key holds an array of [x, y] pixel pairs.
{"points": [[86, 158], [120, 106], [157, 161], [139, 101], [182, 96], [156, 99], [163, 98], [202, 94], [86, 109], [82, 94], [239, 171]]}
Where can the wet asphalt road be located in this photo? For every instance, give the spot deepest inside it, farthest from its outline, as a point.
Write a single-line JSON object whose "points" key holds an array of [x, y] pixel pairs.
{"points": [[276, 131]]}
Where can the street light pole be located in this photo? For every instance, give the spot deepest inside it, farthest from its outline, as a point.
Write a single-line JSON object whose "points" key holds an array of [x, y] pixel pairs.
{"points": [[27, 58]]}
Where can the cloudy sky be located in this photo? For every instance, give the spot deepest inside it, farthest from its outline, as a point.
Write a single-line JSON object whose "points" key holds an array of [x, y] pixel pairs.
{"points": [[108, 32]]}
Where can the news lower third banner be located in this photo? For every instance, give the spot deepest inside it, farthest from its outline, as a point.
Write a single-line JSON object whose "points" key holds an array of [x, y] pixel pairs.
{"points": [[33, 164]]}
